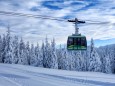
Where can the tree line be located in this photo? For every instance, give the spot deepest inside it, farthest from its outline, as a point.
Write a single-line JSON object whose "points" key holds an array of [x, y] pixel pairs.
{"points": [[15, 51]]}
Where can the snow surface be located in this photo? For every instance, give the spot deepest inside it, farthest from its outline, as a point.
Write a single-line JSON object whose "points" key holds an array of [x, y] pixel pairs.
{"points": [[21, 75]]}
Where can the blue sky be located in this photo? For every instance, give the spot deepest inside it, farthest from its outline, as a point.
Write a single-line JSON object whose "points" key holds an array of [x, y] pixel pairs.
{"points": [[35, 30]]}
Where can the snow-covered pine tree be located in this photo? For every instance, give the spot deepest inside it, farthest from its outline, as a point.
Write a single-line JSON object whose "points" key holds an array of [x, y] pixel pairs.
{"points": [[38, 56], [81, 61], [113, 60], [85, 62], [1, 49], [22, 54], [47, 57], [94, 60], [78, 60], [86, 56], [102, 54], [8, 48], [59, 56], [112, 57], [27, 47], [54, 62], [65, 59], [107, 51], [71, 60], [15, 50], [108, 68], [33, 57], [43, 54]]}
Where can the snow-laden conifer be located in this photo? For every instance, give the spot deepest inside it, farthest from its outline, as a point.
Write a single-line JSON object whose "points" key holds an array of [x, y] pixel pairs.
{"points": [[94, 60]]}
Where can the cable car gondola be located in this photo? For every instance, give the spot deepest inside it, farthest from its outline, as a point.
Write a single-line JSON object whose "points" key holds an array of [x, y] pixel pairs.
{"points": [[76, 41]]}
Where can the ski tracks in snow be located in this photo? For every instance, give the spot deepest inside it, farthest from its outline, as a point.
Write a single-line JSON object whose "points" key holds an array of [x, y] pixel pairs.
{"points": [[30, 78], [39, 79], [9, 81]]}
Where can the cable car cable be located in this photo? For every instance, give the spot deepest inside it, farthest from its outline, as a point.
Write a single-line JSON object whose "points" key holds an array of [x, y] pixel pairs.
{"points": [[30, 15], [48, 17]]}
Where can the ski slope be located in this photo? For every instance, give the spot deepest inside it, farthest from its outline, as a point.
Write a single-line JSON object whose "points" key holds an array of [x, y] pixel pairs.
{"points": [[20, 75]]}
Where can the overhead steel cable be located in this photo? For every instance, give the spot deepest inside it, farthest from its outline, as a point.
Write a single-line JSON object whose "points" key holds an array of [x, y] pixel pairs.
{"points": [[30, 15], [98, 22], [47, 17], [92, 21], [95, 22]]}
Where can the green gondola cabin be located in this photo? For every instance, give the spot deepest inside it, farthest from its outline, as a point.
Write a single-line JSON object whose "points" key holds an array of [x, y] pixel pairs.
{"points": [[76, 42]]}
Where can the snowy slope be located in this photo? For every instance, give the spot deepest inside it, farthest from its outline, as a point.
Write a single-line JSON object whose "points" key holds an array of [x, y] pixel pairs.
{"points": [[19, 75]]}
